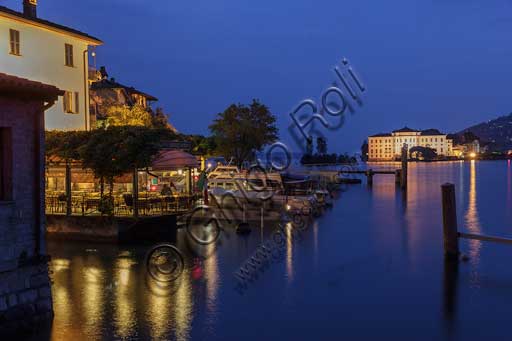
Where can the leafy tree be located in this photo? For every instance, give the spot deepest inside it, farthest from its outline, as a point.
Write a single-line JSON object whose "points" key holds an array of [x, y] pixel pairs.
{"points": [[309, 145], [202, 145], [118, 150], [364, 151], [65, 144], [321, 145], [109, 152], [159, 119], [122, 115], [242, 130]]}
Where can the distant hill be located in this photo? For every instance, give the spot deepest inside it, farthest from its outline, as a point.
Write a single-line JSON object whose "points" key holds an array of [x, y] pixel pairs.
{"points": [[496, 133]]}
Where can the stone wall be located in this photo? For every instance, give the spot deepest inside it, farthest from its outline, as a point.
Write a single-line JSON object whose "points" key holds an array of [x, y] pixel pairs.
{"points": [[25, 298], [111, 229], [25, 295], [17, 217]]}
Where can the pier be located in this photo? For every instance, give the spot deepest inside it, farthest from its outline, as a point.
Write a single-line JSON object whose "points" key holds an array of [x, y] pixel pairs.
{"points": [[400, 174]]}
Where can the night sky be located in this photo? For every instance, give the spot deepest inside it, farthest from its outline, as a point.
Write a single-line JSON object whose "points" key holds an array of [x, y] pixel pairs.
{"points": [[427, 64]]}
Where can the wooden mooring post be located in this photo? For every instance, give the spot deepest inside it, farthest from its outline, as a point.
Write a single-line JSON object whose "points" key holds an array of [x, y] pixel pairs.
{"points": [[450, 237], [450, 234], [403, 171], [369, 177], [398, 176]]}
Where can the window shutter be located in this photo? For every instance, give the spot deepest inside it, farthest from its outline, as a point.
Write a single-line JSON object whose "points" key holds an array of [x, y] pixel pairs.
{"points": [[12, 40], [17, 42], [65, 102], [77, 102]]}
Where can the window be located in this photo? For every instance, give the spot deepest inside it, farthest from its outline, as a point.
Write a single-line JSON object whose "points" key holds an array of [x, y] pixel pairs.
{"points": [[69, 55], [71, 102], [5, 164], [15, 42]]}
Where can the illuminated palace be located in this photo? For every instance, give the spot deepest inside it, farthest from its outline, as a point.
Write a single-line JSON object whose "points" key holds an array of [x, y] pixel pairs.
{"points": [[387, 146]]}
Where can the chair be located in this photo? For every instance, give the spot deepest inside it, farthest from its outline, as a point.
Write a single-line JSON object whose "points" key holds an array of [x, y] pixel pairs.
{"points": [[128, 200]]}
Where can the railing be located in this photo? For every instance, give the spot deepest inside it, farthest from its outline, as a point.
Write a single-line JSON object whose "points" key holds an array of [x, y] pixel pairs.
{"points": [[123, 205]]}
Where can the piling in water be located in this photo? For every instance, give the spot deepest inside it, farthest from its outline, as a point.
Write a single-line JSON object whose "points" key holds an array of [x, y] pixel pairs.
{"points": [[450, 236]]}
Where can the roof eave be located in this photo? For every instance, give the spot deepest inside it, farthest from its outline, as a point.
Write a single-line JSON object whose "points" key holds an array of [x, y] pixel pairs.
{"points": [[91, 40]]}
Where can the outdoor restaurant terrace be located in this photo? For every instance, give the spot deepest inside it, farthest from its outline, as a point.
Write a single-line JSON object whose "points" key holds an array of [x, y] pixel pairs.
{"points": [[169, 186]]}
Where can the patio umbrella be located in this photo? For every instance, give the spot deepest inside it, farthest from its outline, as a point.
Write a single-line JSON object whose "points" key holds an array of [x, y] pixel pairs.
{"points": [[174, 159]]}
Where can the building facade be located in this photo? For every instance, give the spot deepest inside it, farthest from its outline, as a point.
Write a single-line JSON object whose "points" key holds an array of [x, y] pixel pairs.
{"points": [[25, 294], [388, 146], [50, 53]]}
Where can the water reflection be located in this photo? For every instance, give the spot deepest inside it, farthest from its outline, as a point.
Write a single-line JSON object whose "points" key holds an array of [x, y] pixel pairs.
{"points": [[450, 287], [125, 318], [212, 278], [183, 308], [289, 252], [106, 293], [158, 314], [472, 222], [509, 188], [92, 275], [62, 304]]}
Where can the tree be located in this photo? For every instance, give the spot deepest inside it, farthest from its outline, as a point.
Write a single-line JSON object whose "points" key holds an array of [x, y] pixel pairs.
{"points": [[364, 150], [242, 130], [159, 119], [122, 115], [109, 152], [118, 150], [321, 145], [202, 145], [65, 144], [309, 145]]}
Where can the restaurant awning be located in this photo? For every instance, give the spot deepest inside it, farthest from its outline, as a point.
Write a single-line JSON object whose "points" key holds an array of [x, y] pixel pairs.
{"points": [[174, 159]]}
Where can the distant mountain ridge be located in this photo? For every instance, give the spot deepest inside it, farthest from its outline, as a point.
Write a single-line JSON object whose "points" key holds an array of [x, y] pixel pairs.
{"points": [[496, 133]]}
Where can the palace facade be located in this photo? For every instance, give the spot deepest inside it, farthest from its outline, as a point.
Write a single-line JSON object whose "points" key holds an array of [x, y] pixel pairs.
{"points": [[388, 146]]}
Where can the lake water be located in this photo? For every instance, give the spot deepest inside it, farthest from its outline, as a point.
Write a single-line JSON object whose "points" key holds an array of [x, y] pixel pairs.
{"points": [[370, 268]]}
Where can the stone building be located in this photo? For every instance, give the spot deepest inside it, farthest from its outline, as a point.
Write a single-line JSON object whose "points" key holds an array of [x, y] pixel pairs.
{"points": [[106, 92], [25, 295], [387, 146]]}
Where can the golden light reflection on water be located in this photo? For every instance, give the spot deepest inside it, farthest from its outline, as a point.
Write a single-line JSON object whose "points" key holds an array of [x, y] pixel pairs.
{"points": [[211, 274], [170, 309], [125, 318], [509, 188], [93, 295], [62, 304], [183, 308], [289, 252], [471, 219]]}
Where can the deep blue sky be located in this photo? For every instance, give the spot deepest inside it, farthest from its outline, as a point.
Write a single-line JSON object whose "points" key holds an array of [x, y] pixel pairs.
{"points": [[441, 63]]}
